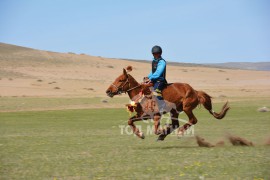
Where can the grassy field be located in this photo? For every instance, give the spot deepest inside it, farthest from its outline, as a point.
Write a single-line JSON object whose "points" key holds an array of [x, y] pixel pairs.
{"points": [[14, 104], [88, 144]]}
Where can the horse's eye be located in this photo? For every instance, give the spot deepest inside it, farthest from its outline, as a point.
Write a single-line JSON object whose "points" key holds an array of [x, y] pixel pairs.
{"points": [[121, 80]]}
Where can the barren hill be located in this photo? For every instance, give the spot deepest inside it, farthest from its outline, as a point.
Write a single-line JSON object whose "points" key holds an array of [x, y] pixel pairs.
{"points": [[30, 72], [259, 66]]}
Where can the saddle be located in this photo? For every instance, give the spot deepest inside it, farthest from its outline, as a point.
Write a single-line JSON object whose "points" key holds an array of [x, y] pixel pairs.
{"points": [[145, 102]]}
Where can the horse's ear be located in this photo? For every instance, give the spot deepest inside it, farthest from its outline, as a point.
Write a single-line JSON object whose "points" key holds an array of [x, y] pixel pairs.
{"points": [[129, 68], [125, 72]]}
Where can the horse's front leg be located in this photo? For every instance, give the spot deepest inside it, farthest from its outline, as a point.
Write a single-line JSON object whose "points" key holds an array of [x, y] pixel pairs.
{"points": [[134, 128], [171, 127], [156, 119]]}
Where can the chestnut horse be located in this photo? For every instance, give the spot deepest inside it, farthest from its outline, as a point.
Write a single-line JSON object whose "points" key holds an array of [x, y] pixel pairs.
{"points": [[182, 95]]}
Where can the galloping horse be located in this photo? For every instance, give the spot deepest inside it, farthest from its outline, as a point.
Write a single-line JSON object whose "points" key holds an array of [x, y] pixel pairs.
{"points": [[182, 95]]}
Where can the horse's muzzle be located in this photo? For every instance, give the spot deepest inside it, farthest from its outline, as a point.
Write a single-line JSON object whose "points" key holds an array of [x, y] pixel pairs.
{"points": [[109, 93]]}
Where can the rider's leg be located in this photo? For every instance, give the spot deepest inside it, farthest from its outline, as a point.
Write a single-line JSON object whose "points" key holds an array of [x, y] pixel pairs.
{"points": [[158, 87]]}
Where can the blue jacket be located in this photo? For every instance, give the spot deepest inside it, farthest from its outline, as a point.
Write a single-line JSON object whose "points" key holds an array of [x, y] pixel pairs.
{"points": [[158, 70]]}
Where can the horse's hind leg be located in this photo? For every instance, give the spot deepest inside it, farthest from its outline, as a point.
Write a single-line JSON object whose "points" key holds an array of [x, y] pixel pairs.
{"points": [[171, 127], [192, 121], [190, 102]]}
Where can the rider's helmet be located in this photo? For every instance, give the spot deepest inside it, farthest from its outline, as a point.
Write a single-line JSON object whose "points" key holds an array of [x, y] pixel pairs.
{"points": [[156, 49]]}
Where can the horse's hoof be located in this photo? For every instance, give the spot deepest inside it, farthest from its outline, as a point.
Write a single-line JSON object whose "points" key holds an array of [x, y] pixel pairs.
{"points": [[161, 137], [141, 135]]}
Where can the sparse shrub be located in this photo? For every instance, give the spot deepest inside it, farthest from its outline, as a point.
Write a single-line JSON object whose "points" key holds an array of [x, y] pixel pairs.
{"points": [[104, 101], [56, 87], [90, 89], [110, 66]]}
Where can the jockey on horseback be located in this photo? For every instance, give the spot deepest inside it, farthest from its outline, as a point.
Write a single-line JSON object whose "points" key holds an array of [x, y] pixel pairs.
{"points": [[158, 74]]}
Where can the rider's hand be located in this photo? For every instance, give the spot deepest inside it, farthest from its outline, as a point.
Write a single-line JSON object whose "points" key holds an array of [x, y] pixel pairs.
{"points": [[146, 80]]}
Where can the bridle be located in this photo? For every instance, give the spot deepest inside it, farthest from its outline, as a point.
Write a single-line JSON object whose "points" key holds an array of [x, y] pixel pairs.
{"points": [[120, 88]]}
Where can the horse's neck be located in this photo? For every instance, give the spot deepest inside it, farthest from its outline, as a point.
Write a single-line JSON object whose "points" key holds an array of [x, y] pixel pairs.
{"points": [[134, 92]]}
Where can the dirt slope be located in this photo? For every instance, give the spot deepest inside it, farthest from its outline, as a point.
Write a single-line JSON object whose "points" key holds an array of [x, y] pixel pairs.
{"points": [[30, 72]]}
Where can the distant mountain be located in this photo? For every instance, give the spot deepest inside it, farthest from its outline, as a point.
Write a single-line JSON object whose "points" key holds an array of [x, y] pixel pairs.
{"points": [[182, 64], [259, 66], [18, 55]]}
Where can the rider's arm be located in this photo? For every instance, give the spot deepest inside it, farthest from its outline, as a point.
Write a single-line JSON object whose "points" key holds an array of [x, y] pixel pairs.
{"points": [[160, 69], [150, 74]]}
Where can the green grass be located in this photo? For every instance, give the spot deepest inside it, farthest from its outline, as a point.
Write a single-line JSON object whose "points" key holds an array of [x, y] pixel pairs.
{"points": [[45, 103], [87, 144]]}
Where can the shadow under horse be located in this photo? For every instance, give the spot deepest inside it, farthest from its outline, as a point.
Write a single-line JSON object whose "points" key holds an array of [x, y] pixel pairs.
{"points": [[181, 95]]}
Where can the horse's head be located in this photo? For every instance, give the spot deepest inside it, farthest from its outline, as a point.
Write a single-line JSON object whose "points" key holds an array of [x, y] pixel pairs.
{"points": [[120, 85]]}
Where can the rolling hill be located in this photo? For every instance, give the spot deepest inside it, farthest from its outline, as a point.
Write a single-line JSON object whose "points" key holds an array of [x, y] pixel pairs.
{"points": [[30, 72], [259, 66]]}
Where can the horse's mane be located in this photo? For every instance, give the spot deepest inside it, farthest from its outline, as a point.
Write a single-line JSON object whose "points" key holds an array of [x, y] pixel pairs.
{"points": [[132, 79]]}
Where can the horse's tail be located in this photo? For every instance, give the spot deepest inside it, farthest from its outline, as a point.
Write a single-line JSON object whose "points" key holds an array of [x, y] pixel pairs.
{"points": [[205, 100]]}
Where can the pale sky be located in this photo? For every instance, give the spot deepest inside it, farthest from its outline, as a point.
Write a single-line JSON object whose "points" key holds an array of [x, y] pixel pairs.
{"points": [[192, 31]]}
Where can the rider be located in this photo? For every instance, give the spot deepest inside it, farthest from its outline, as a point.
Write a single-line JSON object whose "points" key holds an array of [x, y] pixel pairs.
{"points": [[158, 74]]}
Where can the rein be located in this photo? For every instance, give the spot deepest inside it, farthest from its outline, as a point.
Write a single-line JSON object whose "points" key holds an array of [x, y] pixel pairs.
{"points": [[133, 88]]}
